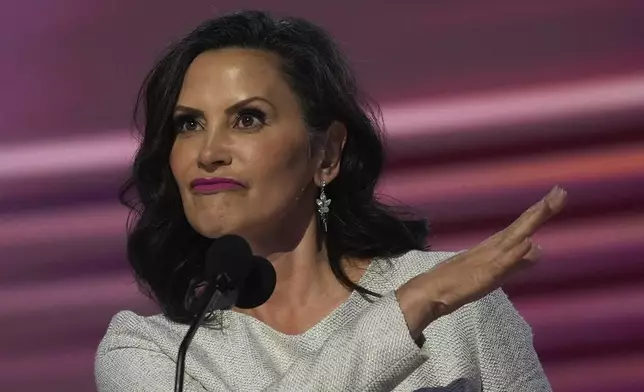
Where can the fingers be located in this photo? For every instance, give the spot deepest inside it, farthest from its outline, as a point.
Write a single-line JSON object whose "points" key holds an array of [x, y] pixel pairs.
{"points": [[533, 254], [471, 275], [522, 256], [512, 257], [535, 217]]}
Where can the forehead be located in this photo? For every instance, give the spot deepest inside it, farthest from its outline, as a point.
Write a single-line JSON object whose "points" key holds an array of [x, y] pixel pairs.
{"points": [[234, 74]]}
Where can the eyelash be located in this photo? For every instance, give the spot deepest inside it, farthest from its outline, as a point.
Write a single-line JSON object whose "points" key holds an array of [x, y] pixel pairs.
{"points": [[181, 121], [257, 114]]}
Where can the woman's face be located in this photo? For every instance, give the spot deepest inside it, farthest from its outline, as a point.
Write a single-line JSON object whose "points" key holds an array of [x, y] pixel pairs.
{"points": [[236, 118]]}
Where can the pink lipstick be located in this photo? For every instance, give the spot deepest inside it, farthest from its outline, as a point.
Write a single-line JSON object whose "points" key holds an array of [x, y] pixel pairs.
{"points": [[214, 185]]}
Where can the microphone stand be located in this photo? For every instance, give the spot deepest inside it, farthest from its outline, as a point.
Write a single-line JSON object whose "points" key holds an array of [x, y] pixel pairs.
{"points": [[218, 295]]}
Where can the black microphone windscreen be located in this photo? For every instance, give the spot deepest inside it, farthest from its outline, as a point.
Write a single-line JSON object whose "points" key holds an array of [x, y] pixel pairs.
{"points": [[230, 255], [259, 285]]}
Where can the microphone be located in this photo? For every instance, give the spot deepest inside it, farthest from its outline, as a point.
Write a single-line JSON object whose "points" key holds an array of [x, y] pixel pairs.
{"points": [[259, 284], [234, 276]]}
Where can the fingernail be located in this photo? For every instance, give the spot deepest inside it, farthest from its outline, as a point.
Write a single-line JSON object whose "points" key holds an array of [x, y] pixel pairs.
{"points": [[553, 192], [557, 191], [561, 192], [538, 254]]}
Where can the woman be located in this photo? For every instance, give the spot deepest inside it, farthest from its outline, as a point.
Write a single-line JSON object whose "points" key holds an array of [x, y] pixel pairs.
{"points": [[269, 111]]}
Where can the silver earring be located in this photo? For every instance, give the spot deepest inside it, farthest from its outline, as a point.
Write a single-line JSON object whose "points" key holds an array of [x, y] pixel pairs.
{"points": [[323, 205]]}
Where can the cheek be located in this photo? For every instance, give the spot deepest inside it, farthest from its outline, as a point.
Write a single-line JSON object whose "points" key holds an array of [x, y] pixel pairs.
{"points": [[179, 162], [281, 172], [282, 160]]}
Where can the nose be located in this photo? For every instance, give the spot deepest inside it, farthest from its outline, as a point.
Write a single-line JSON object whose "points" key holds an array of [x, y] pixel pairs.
{"points": [[215, 151]]}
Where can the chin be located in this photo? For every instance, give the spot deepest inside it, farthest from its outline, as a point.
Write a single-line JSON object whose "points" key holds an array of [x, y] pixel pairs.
{"points": [[214, 224], [210, 223], [210, 230]]}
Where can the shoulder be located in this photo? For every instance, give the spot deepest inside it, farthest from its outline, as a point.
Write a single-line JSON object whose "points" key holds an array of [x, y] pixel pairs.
{"points": [[419, 261], [396, 271], [130, 330], [139, 354]]}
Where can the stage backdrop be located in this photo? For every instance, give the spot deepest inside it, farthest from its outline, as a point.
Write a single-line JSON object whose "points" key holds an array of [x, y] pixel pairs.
{"points": [[487, 106]]}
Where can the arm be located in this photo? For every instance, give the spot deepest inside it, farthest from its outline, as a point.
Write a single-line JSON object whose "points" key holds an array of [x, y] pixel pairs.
{"points": [[137, 369], [507, 357], [128, 361], [374, 352]]}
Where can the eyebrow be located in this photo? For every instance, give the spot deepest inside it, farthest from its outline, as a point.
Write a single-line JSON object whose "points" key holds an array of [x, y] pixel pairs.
{"points": [[231, 109], [189, 111]]}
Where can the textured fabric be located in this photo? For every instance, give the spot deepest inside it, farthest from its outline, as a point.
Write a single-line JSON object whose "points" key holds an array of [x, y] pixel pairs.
{"points": [[361, 346]]}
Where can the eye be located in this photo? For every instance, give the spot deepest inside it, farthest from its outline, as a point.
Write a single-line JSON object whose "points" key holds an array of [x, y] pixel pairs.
{"points": [[250, 118], [186, 123]]}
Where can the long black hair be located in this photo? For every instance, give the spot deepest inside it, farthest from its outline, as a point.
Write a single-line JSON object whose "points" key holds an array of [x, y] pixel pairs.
{"points": [[166, 253]]}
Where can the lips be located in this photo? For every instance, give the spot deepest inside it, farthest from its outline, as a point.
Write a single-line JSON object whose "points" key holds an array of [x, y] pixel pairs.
{"points": [[214, 185]]}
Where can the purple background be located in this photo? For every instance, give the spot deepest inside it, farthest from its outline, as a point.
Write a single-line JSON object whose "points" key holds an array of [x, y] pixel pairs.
{"points": [[487, 104]]}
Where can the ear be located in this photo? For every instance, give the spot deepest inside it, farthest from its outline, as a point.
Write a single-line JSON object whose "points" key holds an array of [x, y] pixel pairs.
{"points": [[331, 154]]}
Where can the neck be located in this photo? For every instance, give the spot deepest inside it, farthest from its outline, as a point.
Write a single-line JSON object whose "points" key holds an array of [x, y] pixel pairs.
{"points": [[306, 288]]}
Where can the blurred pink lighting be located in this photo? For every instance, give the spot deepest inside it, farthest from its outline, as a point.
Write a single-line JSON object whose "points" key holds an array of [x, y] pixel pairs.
{"points": [[88, 154]]}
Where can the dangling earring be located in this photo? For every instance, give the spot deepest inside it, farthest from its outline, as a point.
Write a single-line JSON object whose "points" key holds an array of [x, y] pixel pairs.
{"points": [[323, 205]]}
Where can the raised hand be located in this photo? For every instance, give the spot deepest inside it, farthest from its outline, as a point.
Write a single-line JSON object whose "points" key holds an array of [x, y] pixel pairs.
{"points": [[471, 275]]}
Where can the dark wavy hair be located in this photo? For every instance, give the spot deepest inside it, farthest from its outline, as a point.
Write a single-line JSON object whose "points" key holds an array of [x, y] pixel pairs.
{"points": [[166, 253]]}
